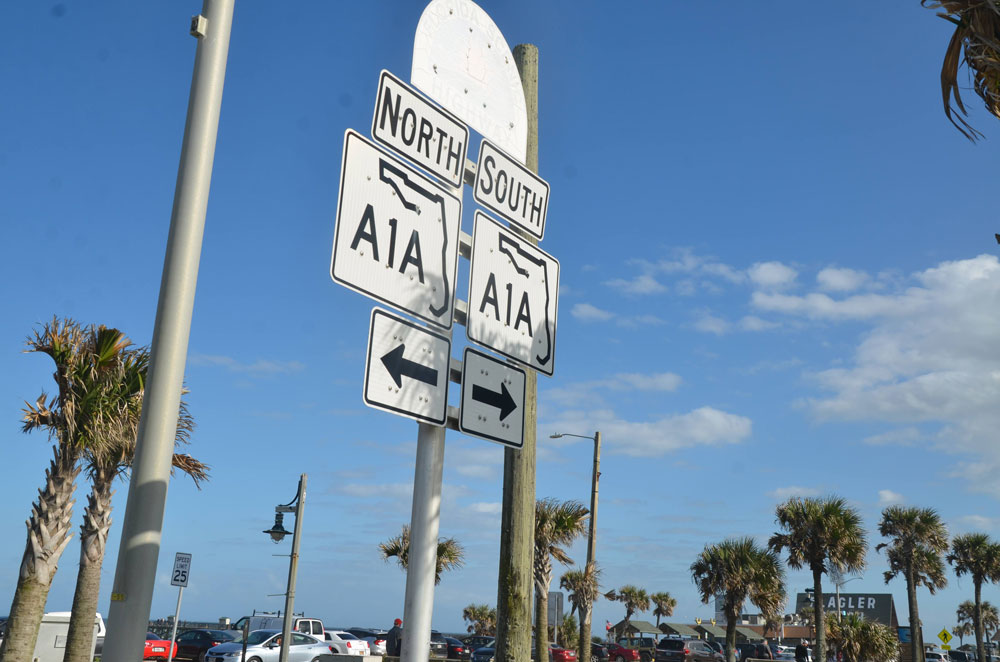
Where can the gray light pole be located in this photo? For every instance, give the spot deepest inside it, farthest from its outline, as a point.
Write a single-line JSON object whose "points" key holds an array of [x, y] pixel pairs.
{"points": [[585, 624], [135, 573], [278, 533]]}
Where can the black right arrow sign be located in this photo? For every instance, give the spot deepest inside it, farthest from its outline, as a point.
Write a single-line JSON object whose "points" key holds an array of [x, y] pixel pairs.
{"points": [[502, 400]]}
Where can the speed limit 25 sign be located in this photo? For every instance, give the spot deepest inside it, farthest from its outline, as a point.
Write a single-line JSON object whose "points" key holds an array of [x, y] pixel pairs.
{"points": [[182, 568]]}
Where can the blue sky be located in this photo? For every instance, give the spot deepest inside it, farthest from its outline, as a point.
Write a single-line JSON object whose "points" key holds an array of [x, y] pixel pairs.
{"points": [[778, 277]]}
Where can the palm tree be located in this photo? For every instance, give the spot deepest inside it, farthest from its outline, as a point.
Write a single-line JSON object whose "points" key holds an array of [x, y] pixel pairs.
{"points": [[557, 524], [962, 630], [74, 420], [482, 619], [663, 606], [739, 569], [978, 556], [918, 541], [966, 617], [634, 598], [106, 459], [977, 24], [820, 534], [582, 586], [450, 553], [861, 640]]}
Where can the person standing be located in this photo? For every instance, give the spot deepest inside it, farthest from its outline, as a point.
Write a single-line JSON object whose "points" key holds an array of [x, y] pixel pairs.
{"points": [[802, 651], [394, 639]]}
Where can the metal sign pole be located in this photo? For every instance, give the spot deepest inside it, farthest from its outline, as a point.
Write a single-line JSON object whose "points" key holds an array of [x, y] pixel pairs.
{"points": [[132, 592], [173, 630], [418, 607]]}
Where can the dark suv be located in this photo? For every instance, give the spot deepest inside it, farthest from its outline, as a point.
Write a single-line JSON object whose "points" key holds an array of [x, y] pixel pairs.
{"points": [[645, 645], [685, 650]]}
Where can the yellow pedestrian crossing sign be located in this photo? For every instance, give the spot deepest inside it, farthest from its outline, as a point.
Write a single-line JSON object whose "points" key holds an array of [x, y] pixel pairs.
{"points": [[944, 635]]}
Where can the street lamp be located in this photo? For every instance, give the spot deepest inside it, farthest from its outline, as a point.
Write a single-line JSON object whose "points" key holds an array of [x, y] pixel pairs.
{"points": [[838, 581], [278, 533], [591, 535]]}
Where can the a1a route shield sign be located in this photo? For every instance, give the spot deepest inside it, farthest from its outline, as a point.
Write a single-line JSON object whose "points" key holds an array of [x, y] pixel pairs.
{"points": [[406, 370], [396, 238], [513, 296], [492, 399]]}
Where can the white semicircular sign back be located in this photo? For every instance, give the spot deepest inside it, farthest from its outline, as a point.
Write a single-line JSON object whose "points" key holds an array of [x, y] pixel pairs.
{"points": [[462, 61]]}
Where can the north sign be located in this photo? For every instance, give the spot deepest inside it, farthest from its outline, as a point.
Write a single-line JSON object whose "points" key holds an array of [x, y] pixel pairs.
{"points": [[513, 296], [416, 128], [396, 236], [492, 399], [406, 369], [508, 188]]}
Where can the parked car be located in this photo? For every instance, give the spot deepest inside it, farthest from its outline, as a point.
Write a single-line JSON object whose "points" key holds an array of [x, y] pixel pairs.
{"points": [[439, 647], [757, 651], [156, 647], [744, 649], [936, 656], [346, 643], [645, 645], [374, 636], [560, 654], [619, 653], [265, 646], [457, 650], [265, 620], [599, 653], [193, 644], [686, 650], [484, 653], [960, 656], [717, 646], [477, 641]]}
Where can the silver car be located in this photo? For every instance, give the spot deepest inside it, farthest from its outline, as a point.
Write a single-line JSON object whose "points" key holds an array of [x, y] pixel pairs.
{"points": [[265, 646]]}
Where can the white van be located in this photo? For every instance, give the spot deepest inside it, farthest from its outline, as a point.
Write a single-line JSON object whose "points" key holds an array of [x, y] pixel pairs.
{"points": [[263, 620]]}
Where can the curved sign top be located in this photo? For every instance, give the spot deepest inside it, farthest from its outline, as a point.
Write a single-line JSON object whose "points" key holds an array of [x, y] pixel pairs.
{"points": [[462, 61]]}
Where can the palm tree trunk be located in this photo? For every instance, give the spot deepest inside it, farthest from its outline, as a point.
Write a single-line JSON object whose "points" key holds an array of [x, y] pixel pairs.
{"points": [[583, 646], [731, 617], [980, 649], [541, 622], [93, 542], [818, 615], [916, 633], [48, 535]]}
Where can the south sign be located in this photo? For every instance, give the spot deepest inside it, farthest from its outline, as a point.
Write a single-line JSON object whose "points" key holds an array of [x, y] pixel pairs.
{"points": [[508, 188]]}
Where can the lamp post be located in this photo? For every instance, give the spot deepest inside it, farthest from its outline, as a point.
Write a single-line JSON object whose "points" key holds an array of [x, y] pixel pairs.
{"points": [[278, 533], [591, 535], [838, 581]]}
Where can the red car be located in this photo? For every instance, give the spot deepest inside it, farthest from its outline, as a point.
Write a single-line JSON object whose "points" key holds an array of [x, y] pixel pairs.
{"points": [[156, 647], [618, 653], [558, 654]]}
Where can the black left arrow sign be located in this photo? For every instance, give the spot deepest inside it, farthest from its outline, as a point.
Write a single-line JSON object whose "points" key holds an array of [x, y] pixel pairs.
{"points": [[399, 367], [502, 400]]}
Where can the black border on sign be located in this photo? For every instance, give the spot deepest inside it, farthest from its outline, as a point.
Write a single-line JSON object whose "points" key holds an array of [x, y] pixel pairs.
{"points": [[368, 364], [454, 267], [475, 190], [555, 315], [461, 402], [454, 119]]}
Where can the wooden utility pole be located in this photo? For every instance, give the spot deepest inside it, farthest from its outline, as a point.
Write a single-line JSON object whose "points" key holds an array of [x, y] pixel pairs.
{"points": [[517, 522]]}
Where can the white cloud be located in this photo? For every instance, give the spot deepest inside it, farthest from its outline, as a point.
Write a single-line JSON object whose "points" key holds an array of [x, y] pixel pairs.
{"points": [[840, 279], [772, 275], [979, 522], [899, 437], [482, 461], [484, 508], [754, 323], [928, 358], [784, 493], [657, 381], [709, 323], [705, 426], [888, 498], [641, 284], [257, 367], [589, 313]]}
